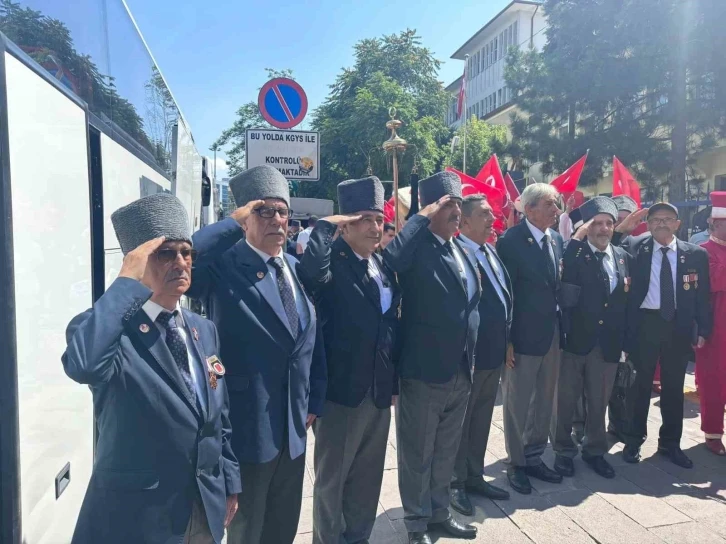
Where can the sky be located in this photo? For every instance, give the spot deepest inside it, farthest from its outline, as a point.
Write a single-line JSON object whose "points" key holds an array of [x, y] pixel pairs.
{"points": [[213, 53]]}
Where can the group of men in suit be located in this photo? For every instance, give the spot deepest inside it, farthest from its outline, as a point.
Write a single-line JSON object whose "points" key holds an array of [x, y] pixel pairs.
{"points": [[203, 424]]}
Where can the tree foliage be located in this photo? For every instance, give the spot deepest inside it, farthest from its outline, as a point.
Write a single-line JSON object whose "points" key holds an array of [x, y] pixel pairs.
{"points": [[609, 80], [391, 71], [482, 141], [248, 116]]}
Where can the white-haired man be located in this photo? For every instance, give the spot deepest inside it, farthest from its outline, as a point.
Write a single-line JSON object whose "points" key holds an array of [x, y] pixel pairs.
{"points": [[532, 253]]}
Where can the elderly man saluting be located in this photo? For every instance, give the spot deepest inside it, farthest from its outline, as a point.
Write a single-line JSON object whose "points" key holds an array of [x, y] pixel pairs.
{"points": [[275, 358], [164, 468]]}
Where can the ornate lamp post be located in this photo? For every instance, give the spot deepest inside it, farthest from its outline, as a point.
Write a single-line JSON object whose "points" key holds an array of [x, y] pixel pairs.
{"points": [[394, 145]]}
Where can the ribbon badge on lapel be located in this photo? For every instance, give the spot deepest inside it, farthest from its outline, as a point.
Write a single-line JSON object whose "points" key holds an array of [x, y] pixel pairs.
{"points": [[215, 368], [626, 283]]}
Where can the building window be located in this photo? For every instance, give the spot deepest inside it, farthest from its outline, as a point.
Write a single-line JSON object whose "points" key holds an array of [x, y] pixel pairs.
{"points": [[499, 93]]}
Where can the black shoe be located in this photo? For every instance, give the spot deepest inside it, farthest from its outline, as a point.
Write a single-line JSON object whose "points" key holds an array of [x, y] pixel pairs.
{"points": [[601, 466], [631, 454], [460, 501], [454, 528], [518, 480], [485, 489], [564, 466], [544, 473], [676, 455], [419, 538]]}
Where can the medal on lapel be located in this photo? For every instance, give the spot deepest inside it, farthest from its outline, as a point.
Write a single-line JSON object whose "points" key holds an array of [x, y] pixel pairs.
{"points": [[195, 333], [215, 368], [626, 282], [683, 259]]}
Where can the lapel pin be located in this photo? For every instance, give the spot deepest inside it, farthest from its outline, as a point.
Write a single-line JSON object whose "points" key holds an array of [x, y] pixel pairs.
{"points": [[215, 365], [196, 334], [144, 328], [683, 259], [588, 258], [260, 275], [342, 253], [530, 240], [622, 261], [646, 249]]}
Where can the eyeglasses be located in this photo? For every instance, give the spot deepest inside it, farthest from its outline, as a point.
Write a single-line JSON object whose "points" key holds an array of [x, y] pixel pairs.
{"points": [[269, 213], [662, 221], [168, 256]]}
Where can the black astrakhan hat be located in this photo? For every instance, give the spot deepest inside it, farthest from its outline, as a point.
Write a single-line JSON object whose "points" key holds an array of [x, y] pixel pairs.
{"points": [[358, 195], [150, 217], [598, 205], [576, 218], [259, 183], [625, 203], [440, 184]]}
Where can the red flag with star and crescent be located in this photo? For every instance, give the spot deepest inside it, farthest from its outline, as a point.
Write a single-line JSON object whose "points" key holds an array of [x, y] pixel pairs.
{"points": [[569, 179], [496, 199], [624, 183]]}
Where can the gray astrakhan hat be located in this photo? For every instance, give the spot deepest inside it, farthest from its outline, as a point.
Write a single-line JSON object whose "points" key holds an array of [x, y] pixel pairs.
{"points": [[150, 217], [259, 183], [596, 206], [440, 184], [625, 203], [358, 195]]}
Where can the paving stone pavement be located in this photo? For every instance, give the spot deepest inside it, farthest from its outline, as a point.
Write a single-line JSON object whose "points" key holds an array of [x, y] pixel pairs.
{"points": [[654, 502]]}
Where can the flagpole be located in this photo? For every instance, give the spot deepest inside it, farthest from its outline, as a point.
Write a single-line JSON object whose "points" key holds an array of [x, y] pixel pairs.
{"points": [[463, 110], [393, 145]]}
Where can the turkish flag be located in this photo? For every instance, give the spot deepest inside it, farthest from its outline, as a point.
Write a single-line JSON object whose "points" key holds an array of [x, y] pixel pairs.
{"points": [[567, 182], [496, 199], [579, 198], [389, 213], [512, 190], [624, 183], [490, 174]]}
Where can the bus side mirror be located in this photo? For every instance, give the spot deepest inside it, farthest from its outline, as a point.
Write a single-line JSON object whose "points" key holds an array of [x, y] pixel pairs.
{"points": [[206, 191]]}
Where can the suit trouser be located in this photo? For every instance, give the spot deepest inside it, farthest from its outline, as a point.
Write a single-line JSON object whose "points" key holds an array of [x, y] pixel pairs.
{"points": [[617, 412], [475, 431], [597, 377], [198, 529], [350, 454], [657, 338], [528, 392], [269, 505], [429, 417]]}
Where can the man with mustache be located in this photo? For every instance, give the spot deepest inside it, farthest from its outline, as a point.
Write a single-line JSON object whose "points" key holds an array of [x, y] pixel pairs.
{"points": [[532, 254], [495, 319], [357, 297], [272, 348], [164, 469], [439, 324], [594, 295], [668, 311]]}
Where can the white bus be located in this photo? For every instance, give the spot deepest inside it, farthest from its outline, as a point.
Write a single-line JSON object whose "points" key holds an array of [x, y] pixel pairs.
{"points": [[74, 147]]}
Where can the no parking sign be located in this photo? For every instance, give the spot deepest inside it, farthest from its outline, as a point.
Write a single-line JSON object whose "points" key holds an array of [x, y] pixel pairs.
{"points": [[282, 102]]}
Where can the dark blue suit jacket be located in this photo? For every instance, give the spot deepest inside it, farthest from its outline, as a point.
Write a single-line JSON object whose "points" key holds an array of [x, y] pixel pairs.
{"points": [[438, 322], [495, 319], [157, 450], [273, 380], [535, 290], [359, 338]]}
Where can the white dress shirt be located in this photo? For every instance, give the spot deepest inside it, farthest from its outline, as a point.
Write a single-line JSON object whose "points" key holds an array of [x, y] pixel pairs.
{"points": [[304, 237], [384, 287], [608, 263], [652, 299], [196, 367], [493, 271], [464, 270], [300, 301], [565, 226]]}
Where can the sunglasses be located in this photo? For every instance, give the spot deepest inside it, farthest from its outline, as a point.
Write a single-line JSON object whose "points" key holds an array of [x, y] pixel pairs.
{"points": [[269, 213], [168, 256]]}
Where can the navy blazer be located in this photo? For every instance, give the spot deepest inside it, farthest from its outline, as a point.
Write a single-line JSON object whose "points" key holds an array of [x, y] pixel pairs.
{"points": [[359, 338], [274, 381], [157, 450], [495, 318], [535, 291], [693, 306], [439, 324], [597, 317]]}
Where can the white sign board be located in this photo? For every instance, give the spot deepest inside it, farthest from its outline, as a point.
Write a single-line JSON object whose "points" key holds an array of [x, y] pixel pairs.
{"points": [[296, 154]]}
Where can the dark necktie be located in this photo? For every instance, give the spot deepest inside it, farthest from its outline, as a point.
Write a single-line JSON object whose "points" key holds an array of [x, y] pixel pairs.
{"points": [[372, 283], [600, 255], [548, 255], [177, 346], [667, 294], [287, 296], [462, 273]]}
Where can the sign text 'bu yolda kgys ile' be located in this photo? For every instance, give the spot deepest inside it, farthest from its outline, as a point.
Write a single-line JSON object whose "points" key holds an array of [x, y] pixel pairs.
{"points": [[296, 154]]}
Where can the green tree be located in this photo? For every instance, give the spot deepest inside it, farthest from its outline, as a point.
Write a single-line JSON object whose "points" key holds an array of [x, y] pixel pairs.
{"points": [[640, 79], [482, 141], [394, 70], [161, 116], [248, 116]]}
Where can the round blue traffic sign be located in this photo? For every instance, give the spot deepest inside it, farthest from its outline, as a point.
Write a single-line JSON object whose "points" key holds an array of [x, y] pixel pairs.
{"points": [[282, 103]]}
